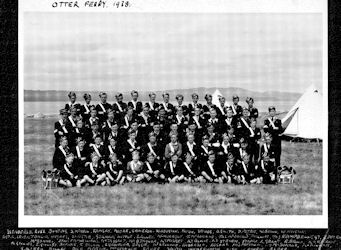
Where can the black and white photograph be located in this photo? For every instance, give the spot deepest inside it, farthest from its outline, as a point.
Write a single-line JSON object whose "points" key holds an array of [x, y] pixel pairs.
{"points": [[174, 114]]}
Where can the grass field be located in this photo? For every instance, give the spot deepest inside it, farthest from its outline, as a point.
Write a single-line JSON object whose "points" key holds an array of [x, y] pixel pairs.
{"points": [[304, 197]]}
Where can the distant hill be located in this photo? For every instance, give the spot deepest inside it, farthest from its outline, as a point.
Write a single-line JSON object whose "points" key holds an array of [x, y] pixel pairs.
{"points": [[58, 96]]}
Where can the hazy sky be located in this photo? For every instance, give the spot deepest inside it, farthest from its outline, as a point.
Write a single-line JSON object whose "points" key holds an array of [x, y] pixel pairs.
{"points": [[124, 51]]}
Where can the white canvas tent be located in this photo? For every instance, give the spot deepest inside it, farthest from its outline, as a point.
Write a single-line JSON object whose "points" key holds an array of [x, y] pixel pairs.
{"points": [[304, 120], [215, 97]]}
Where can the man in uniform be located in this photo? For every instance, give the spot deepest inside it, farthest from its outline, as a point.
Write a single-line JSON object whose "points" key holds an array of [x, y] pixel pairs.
{"points": [[135, 103], [236, 109], [273, 125], [103, 107]]}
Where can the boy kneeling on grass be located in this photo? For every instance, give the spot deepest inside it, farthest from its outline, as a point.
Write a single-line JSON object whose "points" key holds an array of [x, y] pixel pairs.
{"points": [[114, 171], [210, 170], [173, 170], [96, 171], [268, 170], [135, 169], [153, 169]]}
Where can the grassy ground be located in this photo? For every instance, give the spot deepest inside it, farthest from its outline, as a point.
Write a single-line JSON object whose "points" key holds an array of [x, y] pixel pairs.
{"points": [[301, 198]]}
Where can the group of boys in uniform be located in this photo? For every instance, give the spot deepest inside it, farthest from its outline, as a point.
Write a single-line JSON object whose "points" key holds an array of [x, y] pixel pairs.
{"points": [[108, 144]]}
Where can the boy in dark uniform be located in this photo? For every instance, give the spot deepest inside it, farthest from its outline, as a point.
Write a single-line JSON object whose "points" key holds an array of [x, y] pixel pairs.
{"points": [[192, 106], [214, 120], [93, 118], [243, 124], [103, 107], [128, 119], [153, 148], [145, 122], [98, 148], [119, 107], [253, 111], [68, 174], [229, 121], [161, 135], [79, 132], [236, 109], [168, 107], [152, 105], [254, 138], [174, 147], [154, 172], [268, 171], [207, 107], [96, 170], [60, 153], [213, 137], [115, 133], [135, 103], [180, 98], [113, 148], [72, 103], [62, 127], [130, 145], [135, 169], [73, 118], [81, 153], [204, 149], [199, 120], [243, 150], [86, 107], [225, 149], [173, 169], [191, 171], [221, 109], [114, 170], [106, 126], [210, 170], [229, 169], [180, 120], [191, 148], [273, 125], [268, 149], [94, 133]]}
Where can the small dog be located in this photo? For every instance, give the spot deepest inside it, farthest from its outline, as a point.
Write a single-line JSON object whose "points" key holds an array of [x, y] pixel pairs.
{"points": [[286, 175]]}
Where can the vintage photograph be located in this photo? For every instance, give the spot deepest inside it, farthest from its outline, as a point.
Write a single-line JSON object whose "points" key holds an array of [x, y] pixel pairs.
{"points": [[173, 113]]}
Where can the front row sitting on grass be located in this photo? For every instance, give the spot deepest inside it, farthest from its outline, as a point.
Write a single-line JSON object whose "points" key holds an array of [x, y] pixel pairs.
{"points": [[215, 170]]}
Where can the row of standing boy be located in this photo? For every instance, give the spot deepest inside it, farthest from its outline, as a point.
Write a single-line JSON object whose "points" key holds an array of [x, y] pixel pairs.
{"points": [[164, 142]]}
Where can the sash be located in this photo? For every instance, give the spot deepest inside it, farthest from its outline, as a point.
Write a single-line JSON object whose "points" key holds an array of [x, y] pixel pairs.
{"points": [[72, 122], [247, 126], [190, 149], [63, 126], [133, 167], [149, 167], [228, 167], [179, 119], [92, 168], [266, 148], [134, 104], [126, 121], [110, 149], [165, 106], [131, 144], [96, 150], [63, 151], [196, 121], [145, 118], [245, 168], [271, 122], [262, 165], [151, 106], [92, 120], [188, 168], [151, 149], [233, 109], [171, 167], [102, 107], [67, 170], [78, 152], [112, 134], [225, 148], [222, 109], [109, 125], [171, 148], [119, 107], [86, 108], [228, 122], [77, 130], [241, 152], [211, 168], [206, 150]]}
